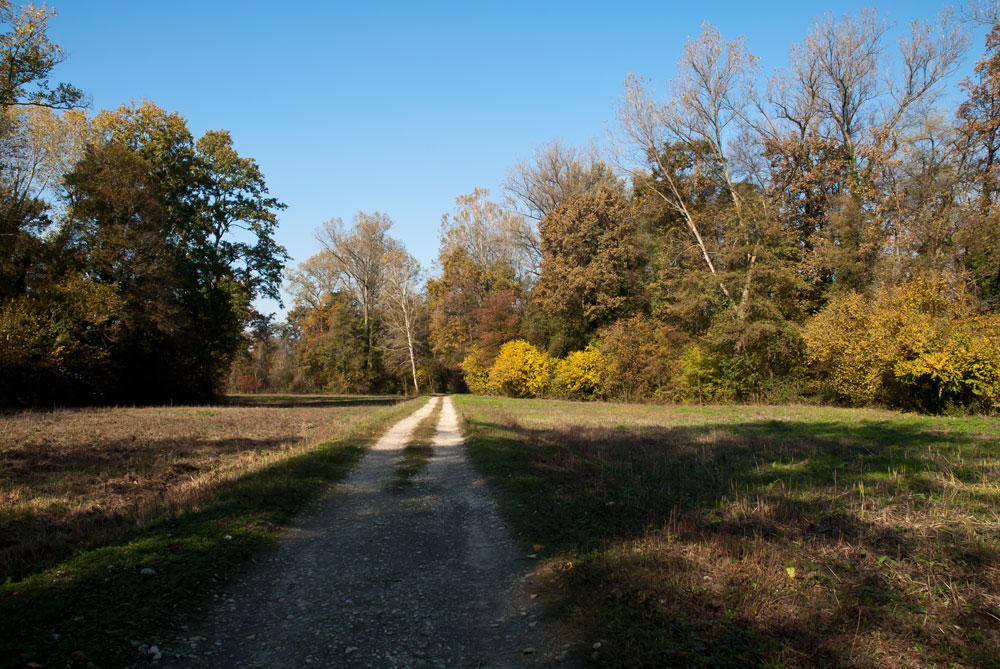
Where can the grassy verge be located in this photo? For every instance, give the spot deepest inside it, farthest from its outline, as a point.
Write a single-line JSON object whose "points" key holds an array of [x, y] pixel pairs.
{"points": [[743, 536], [96, 602], [418, 450]]}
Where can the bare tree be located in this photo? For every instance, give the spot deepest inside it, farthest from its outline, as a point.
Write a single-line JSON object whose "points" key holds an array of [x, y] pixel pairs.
{"points": [[490, 234], [402, 306], [360, 255], [554, 173], [708, 103], [313, 279]]}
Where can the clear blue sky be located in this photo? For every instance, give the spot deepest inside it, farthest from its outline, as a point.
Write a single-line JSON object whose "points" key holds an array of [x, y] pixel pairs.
{"points": [[401, 106]]}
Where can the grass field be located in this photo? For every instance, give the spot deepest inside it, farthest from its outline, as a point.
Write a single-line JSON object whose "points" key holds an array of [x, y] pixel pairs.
{"points": [[767, 536], [91, 497]]}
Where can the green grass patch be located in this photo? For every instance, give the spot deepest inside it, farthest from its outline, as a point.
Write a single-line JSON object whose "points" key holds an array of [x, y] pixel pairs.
{"points": [[99, 600], [419, 450], [754, 535]]}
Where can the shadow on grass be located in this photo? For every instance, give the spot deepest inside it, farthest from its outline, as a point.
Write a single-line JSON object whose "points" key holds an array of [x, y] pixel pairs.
{"points": [[289, 401], [38, 540], [99, 600], [761, 542]]}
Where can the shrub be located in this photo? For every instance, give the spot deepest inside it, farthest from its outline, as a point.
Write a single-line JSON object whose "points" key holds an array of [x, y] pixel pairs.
{"points": [[920, 345], [639, 360], [742, 360], [578, 375], [476, 373], [520, 370]]}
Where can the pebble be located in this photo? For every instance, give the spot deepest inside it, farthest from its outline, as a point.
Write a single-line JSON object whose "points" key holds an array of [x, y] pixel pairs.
{"points": [[148, 571]]}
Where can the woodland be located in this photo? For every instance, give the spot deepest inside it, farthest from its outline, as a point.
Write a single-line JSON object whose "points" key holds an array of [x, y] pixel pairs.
{"points": [[827, 232]]}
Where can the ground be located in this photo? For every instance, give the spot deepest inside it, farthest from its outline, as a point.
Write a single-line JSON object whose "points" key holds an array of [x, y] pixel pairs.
{"points": [[386, 575]]}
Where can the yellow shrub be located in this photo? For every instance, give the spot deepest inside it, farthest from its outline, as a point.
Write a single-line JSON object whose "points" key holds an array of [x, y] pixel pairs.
{"points": [[578, 375], [476, 373], [520, 370], [919, 345]]}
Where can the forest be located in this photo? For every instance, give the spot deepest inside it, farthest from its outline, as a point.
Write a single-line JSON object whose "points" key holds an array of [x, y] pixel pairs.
{"points": [[825, 233]]}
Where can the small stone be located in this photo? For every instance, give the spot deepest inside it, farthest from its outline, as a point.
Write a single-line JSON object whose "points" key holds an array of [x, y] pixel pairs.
{"points": [[228, 537], [597, 644], [148, 571], [350, 649], [157, 657], [528, 651], [532, 623]]}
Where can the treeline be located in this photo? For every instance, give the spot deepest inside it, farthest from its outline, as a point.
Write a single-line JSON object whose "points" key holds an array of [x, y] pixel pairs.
{"points": [[830, 232], [130, 253]]}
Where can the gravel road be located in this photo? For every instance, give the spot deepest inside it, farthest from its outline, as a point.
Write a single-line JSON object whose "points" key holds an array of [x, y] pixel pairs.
{"points": [[425, 576]]}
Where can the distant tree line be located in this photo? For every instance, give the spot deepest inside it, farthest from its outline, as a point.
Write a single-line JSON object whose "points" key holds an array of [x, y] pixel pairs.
{"points": [[829, 233]]}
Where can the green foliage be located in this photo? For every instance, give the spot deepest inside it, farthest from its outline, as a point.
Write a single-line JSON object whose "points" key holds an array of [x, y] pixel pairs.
{"points": [[332, 354], [920, 345], [579, 375], [52, 343], [520, 370]]}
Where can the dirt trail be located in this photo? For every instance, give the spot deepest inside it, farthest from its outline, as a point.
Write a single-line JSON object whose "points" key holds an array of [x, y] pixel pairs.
{"points": [[426, 576]]}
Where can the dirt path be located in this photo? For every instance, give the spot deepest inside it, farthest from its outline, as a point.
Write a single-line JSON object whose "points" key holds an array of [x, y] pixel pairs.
{"points": [[426, 576]]}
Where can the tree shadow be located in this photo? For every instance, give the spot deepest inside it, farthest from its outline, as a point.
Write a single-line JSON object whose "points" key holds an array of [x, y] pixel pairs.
{"points": [[852, 521], [290, 401]]}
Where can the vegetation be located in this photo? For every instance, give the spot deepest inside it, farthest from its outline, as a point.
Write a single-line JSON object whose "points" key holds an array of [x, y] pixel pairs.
{"points": [[91, 497], [753, 536], [741, 229]]}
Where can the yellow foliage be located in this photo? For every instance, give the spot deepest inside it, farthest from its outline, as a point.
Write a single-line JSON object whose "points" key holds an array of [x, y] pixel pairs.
{"points": [[918, 344], [476, 373], [579, 374], [520, 370]]}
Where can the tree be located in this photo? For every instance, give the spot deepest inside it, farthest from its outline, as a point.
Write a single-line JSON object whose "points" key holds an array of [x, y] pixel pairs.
{"points": [[481, 255], [27, 58], [313, 279], [979, 137], [361, 254], [593, 265], [404, 308]]}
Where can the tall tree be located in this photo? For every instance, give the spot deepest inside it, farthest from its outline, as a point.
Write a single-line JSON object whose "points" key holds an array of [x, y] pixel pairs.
{"points": [[404, 308], [361, 253], [979, 136], [481, 254], [27, 58], [593, 266]]}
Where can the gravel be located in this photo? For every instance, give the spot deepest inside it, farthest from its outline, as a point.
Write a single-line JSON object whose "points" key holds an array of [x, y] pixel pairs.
{"points": [[428, 576]]}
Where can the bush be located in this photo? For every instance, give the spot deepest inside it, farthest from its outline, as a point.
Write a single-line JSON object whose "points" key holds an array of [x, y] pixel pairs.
{"points": [[520, 370], [640, 360], [578, 376], [476, 373], [740, 360], [919, 346]]}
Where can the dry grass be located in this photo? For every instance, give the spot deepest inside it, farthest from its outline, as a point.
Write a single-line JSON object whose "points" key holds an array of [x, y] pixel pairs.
{"points": [[740, 536], [72, 479]]}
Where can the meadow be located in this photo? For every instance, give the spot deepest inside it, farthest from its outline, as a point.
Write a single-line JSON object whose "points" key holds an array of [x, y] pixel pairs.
{"points": [[89, 498], [754, 535]]}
